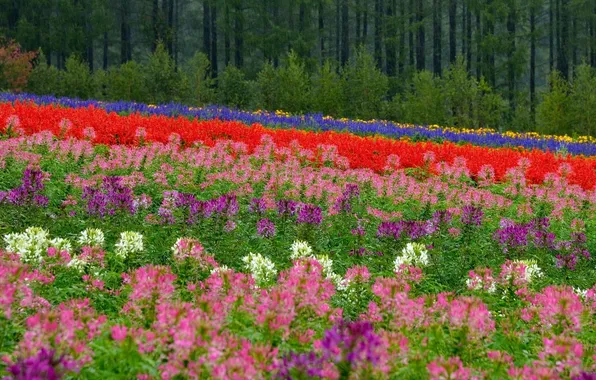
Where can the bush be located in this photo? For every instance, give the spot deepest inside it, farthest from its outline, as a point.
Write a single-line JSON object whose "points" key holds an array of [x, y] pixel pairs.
{"points": [[163, 81], [44, 79], [76, 80], [294, 86], [582, 102], [424, 102], [327, 90], [233, 88], [126, 82], [364, 87], [15, 66], [268, 85], [198, 81], [552, 112]]}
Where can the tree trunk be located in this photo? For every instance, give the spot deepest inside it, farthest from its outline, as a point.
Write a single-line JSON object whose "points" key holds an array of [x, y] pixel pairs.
{"points": [[105, 51], [390, 40], [533, 63], [345, 33], [154, 24], [321, 15], [207, 29], [468, 38], [337, 29], [411, 32], [564, 29], [551, 35], [276, 22], [239, 35], [365, 24], [379, 33], [437, 36], [214, 40], [125, 46], [421, 40], [402, 37], [357, 11], [511, 30], [453, 29], [227, 42], [170, 35], [478, 44]]}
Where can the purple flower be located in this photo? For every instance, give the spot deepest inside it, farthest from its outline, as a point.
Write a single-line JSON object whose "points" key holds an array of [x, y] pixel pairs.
{"points": [[308, 364], [257, 206], [28, 193], [112, 196], [44, 366], [310, 214], [230, 226], [354, 342], [265, 228], [472, 215], [287, 207], [585, 376]]}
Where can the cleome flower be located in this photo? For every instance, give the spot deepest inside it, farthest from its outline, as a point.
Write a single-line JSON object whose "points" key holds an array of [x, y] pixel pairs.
{"points": [[262, 268], [412, 254], [92, 237], [29, 245], [129, 243], [300, 249]]}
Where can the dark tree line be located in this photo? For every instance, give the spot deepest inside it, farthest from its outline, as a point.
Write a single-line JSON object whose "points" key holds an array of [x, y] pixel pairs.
{"points": [[513, 45]]}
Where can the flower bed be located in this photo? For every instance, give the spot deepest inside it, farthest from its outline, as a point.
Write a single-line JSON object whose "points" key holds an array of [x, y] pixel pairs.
{"points": [[259, 257]]}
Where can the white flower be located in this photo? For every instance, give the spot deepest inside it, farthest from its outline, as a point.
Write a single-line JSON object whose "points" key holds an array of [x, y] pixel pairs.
{"points": [[412, 254], [221, 268], [262, 268], [327, 264], [29, 245], [478, 285], [582, 293], [92, 237], [61, 244], [532, 269], [300, 249], [77, 264], [129, 243]]}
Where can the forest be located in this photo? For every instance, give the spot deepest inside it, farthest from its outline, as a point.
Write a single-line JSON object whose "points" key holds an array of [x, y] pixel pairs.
{"points": [[504, 64]]}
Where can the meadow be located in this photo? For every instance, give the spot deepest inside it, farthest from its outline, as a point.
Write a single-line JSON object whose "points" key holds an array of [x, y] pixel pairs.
{"points": [[165, 245]]}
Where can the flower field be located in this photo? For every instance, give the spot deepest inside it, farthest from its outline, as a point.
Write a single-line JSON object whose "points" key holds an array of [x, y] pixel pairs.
{"points": [[154, 246]]}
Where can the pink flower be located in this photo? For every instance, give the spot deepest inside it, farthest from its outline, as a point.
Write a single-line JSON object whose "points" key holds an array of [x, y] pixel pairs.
{"points": [[119, 333]]}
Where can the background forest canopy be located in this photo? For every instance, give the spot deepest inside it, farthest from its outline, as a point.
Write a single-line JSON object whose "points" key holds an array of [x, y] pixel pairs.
{"points": [[503, 64]]}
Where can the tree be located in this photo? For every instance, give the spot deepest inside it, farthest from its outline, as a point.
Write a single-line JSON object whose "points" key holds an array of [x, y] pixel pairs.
{"points": [[15, 66], [552, 113], [365, 87], [327, 90]]}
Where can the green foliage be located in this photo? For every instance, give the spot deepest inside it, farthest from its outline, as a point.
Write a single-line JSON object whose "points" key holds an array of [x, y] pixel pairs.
{"points": [[76, 79], [268, 84], [582, 101], [44, 79], [198, 80], [163, 81], [365, 87], [552, 113], [491, 107], [233, 88], [461, 92], [424, 102], [294, 86], [126, 82], [327, 90]]}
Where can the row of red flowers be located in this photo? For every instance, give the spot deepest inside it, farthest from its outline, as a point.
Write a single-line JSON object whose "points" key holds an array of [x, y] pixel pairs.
{"points": [[362, 152]]}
